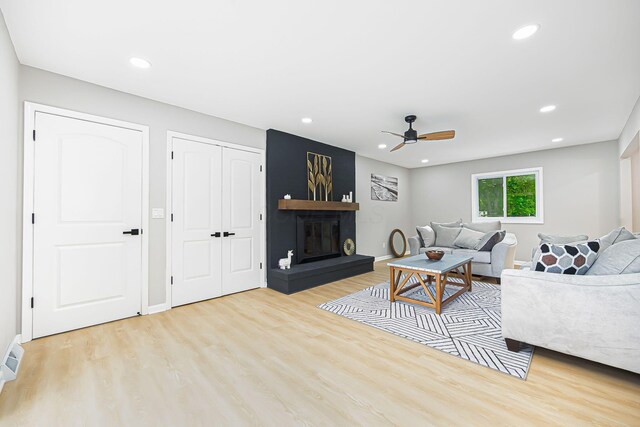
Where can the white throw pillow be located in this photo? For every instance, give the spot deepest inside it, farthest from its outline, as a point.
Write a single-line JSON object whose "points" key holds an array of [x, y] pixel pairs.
{"points": [[621, 258], [484, 227], [562, 240], [445, 236], [618, 235], [457, 223], [468, 239], [427, 236]]}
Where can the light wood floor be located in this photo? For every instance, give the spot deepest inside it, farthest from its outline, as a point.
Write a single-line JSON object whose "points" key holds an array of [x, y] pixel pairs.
{"points": [[263, 358]]}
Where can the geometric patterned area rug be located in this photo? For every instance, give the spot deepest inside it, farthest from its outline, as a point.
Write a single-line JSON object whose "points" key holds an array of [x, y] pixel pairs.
{"points": [[468, 327]]}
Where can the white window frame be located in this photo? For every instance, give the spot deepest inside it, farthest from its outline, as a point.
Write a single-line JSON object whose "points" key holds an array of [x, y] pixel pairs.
{"points": [[538, 219]]}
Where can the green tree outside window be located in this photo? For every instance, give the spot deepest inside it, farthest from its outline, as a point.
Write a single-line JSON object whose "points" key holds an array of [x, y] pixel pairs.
{"points": [[520, 196], [490, 197]]}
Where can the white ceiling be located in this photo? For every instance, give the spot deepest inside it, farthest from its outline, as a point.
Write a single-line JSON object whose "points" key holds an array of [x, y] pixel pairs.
{"points": [[358, 67]]}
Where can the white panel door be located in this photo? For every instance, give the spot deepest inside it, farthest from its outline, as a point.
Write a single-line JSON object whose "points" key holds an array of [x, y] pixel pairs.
{"points": [[241, 191], [197, 217], [87, 192]]}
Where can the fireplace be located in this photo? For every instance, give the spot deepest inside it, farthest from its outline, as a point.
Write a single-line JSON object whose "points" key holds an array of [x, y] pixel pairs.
{"points": [[317, 238]]}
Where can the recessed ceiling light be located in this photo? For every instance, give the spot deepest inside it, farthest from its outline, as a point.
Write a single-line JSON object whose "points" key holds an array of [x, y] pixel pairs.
{"points": [[382, 146], [556, 140], [526, 32], [547, 108], [139, 62], [307, 120], [425, 160]]}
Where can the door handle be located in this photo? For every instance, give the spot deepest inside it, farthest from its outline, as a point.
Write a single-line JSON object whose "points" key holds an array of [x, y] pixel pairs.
{"points": [[227, 234], [216, 234], [133, 232]]}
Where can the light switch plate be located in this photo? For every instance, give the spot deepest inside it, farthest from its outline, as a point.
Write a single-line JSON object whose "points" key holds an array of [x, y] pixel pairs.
{"points": [[157, 213]]}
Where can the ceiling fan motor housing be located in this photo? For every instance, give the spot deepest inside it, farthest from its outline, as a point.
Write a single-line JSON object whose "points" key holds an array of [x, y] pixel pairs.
{"points": [[411, 135]]}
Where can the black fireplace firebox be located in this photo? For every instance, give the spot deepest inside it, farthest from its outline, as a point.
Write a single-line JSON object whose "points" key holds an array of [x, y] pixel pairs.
{"points": [[317, 238]]}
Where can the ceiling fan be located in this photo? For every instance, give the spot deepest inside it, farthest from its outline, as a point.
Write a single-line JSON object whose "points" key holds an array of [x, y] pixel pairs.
{"points": [[411, 136]]}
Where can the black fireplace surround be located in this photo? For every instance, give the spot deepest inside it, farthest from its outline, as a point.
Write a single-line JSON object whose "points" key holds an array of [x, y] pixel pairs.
{"points": [[318, 257], [317, 237]]}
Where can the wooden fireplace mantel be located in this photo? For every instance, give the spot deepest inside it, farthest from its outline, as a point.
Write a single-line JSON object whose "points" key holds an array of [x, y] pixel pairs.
{"points": [[315, 205]]}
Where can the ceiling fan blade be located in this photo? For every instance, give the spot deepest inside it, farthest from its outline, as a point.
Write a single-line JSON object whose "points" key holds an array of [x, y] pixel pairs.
{"points": [[436, 136], [399, 146], [393, 133]]}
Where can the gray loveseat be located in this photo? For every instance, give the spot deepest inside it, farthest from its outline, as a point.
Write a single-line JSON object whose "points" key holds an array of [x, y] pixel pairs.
{"points": [[593, 317], [485, 263]]}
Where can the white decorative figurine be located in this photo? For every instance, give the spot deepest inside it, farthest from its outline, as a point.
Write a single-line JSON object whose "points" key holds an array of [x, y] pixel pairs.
{"points": [[285, 263], [287, 196]]}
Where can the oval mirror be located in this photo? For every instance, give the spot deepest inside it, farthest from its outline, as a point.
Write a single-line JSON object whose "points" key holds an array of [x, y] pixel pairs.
{"points": [[398, 243]]}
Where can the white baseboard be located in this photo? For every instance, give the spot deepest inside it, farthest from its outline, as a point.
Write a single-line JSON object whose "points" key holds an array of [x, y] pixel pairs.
{"points": [[385, 257], [158, 308]]}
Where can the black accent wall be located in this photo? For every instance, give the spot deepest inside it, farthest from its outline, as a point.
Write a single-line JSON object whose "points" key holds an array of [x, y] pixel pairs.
{"points": [[287, 174]]}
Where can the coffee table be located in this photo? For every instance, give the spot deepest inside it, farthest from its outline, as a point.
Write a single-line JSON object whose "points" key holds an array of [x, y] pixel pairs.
{"points": [[417, 266]]}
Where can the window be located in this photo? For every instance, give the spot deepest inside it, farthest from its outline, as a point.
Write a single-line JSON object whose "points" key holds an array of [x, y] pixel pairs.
{"points": [[509, 196]]}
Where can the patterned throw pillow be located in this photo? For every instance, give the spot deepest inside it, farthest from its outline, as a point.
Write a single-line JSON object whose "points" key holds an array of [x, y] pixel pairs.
{"points": [[574, 258]]}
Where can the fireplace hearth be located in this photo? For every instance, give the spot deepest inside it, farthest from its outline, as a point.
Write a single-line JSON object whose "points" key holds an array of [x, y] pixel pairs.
{"points": [[317, 238]]}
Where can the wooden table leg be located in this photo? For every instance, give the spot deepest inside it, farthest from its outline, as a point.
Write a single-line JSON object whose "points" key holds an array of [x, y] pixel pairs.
{"points": [[469, 279], [392, 284], [438, 293]]}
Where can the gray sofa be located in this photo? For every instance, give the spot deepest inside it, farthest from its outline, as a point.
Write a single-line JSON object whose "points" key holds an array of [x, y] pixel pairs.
{"points": [[489, 264], [593, 317]]}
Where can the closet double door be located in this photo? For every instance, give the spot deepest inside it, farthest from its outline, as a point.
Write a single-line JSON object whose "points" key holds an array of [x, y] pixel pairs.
{"points": [[216, 221]]}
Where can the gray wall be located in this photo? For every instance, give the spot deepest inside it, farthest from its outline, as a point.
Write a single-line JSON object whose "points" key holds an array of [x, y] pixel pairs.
{"points": [[635, 191], [630, 130], [375, 220], [52, 89], [9, 221], [580, 191], [628, 147]]}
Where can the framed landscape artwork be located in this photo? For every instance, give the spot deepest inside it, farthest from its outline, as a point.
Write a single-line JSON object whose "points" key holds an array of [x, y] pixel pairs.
{"points": [[384, 188]]}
